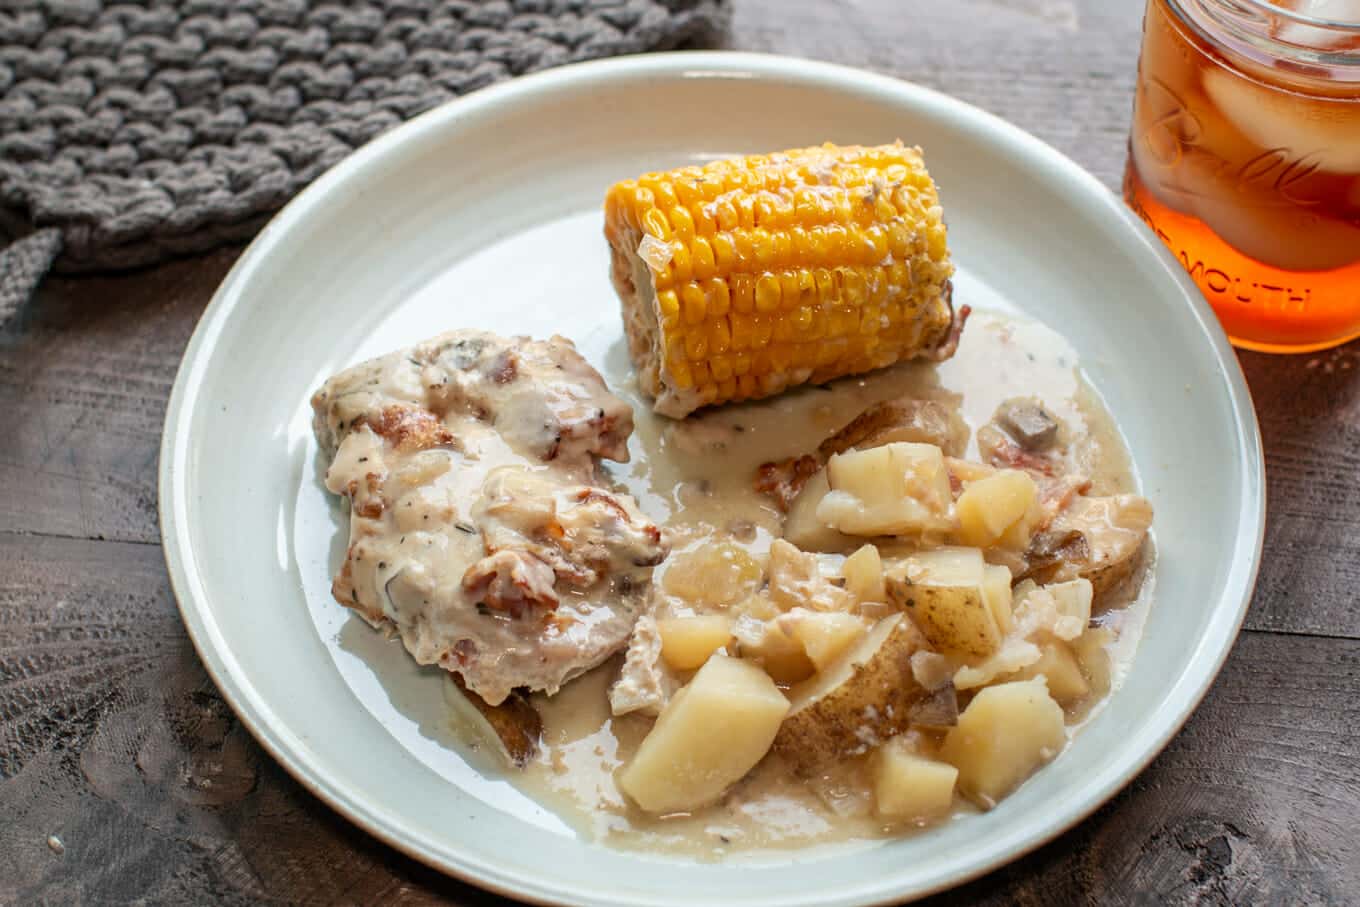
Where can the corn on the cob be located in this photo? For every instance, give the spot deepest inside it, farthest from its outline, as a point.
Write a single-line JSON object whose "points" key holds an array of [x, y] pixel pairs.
{"points": [[743, 277]]}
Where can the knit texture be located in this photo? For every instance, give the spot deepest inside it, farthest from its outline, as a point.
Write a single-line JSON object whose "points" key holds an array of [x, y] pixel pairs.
{"points": [[134, 131]]}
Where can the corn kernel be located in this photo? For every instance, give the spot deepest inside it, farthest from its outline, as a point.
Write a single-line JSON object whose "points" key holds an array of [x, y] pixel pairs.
{"points": [[761, 329], [701, 259], [764, 211], [871, 319], [682, 222], [655, 224], [681, 376], [853, 284], [702, 375], [721, 366], [762, 245], [687, 185], [935, 237], [746, 212], [781, 357], [679, 268], [669, 303], [675, 349], [789, 290], [704, 224], [696, 348], [877, 239], [724, 252], [693, 303], [743, 292], [719, 298], [783, 250], [767, 293], [719, 337], [725, 214]]}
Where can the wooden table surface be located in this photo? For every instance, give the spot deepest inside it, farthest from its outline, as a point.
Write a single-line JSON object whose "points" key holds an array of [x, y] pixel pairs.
{"points": [[124, 776]]}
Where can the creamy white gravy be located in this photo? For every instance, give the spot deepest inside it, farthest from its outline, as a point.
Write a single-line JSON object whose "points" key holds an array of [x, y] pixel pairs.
{"points": [[695, 477]]}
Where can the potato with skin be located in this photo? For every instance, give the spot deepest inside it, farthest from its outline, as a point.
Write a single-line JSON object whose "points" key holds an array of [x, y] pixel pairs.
{"points": [[1113, 530], [864, 697], [711, 733], [687, 642], [1007, 732], [908, 419], [909, 787], [950, 595]]}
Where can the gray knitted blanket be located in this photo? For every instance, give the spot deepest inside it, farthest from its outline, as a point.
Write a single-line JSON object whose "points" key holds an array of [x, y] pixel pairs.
{"points": [[134, 131]]}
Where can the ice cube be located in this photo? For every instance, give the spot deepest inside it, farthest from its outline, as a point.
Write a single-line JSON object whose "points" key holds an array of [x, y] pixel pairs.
{"points": [[1302, 34], [1325, 133]]}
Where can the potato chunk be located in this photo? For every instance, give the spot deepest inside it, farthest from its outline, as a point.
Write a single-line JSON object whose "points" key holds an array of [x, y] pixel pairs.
{"points": [[989, 507], [864, 697], [716, 574], [805, 529], [1073, 599], [953, 599], [898, 489], [711, 733], [761, 637], [863, 572], [1002, 738], [1057, 664], [908, 786], [686, 642], [824, 635]]}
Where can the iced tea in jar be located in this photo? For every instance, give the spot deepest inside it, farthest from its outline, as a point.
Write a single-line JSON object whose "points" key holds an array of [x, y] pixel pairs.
{"points": [[1244, 157]]}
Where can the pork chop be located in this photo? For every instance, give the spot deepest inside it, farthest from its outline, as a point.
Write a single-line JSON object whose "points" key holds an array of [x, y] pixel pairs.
{"points": [[481, 525]]}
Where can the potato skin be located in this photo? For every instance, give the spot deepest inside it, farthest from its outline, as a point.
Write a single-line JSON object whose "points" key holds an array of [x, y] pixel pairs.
{"points": [[955, 618], [871, 702]]}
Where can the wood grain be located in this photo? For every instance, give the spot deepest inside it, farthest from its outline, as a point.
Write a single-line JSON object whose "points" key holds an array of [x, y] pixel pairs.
{"points": [[84, 377], [124, 777]]}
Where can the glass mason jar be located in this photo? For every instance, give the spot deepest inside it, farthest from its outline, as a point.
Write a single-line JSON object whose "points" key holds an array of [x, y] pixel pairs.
{"points": [[1244, 158]]}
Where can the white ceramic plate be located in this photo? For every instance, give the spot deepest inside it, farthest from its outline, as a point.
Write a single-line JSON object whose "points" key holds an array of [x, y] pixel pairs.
{"points": [[486, 212]]}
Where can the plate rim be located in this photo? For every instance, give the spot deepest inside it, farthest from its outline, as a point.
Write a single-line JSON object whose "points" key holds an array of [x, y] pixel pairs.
{"points": [[252, 708]]}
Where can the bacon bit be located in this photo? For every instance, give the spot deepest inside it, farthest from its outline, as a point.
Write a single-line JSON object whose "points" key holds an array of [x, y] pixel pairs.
{"points": [[1056, 495], [514, 582], [591, 495], [1005, 453], [557, 623], [463, 651], [409, 429], [783, 480], [370, 504], [955, 484], [505, 369]]}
